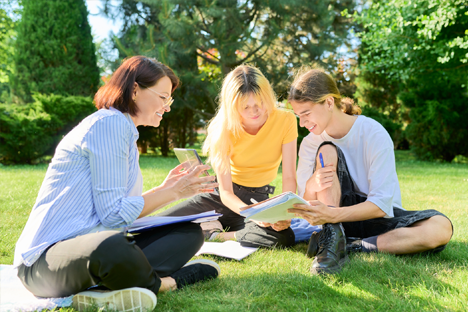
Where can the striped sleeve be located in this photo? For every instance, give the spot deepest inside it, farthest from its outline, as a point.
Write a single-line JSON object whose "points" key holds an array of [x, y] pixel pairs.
{"points": [[108, 147]]}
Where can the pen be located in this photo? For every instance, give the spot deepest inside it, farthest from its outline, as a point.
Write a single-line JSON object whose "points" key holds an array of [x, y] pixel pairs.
{"points": [[253, 201], [321, 160]]}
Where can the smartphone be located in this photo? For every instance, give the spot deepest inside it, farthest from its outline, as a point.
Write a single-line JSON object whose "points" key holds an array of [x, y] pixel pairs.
{"points": [[189, 158]]}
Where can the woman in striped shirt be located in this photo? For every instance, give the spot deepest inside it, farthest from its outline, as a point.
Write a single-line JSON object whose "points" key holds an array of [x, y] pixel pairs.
{"points": [[74, 238]]}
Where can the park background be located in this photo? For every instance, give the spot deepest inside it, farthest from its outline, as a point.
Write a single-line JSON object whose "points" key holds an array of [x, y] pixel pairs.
{"points": [[404, 62]]}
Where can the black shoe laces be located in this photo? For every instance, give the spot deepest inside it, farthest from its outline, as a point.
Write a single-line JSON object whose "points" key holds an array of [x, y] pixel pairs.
{"points": [[326, 240]]}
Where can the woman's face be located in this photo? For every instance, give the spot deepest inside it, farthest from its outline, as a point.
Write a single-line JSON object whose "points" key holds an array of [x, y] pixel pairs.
{"points": [[253, 113], [150, 102], [313, 117]]}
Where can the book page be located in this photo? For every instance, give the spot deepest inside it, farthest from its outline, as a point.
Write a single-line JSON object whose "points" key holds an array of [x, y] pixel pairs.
{"points": [[228, 249]]}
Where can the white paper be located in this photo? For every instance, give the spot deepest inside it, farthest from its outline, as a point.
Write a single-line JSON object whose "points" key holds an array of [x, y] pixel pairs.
{"points": [[228, 249]]}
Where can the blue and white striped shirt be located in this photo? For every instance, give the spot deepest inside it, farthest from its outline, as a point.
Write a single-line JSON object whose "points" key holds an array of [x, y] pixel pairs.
{"points": [[87, 185]]}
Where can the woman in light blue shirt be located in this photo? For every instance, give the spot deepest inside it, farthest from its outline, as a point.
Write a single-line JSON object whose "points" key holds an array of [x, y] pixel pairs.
{"points": [[74, 238]]}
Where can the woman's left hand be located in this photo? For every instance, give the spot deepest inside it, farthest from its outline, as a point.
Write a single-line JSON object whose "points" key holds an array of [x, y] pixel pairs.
{"points": [[316, 213]]}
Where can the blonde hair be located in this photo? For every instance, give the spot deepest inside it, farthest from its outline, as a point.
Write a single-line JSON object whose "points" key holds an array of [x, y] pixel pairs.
{"points": [[226, 126], [316, 86]]}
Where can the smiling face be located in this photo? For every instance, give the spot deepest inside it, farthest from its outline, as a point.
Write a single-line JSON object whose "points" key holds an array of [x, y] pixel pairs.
{"points": [[150, 102], [253, 113], [314, 117]]}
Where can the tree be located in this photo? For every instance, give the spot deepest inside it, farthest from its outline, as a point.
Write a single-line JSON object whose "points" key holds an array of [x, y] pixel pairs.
{"points": [[204, 40], [419, 48], [7, 34], [55, 53]]}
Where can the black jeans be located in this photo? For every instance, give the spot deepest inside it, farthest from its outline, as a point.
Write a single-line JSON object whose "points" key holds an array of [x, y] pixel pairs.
{"points": [[247, 233], [113, 260], [377, 226]]}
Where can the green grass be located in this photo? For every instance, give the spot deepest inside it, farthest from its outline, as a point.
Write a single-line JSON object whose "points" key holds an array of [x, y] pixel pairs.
{"points": [[279, 280]]}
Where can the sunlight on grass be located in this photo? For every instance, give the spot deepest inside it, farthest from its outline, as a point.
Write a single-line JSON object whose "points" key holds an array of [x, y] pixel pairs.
{"points": [[279, 279]]}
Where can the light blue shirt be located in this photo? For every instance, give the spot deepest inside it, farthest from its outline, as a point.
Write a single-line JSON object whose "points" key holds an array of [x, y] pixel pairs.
{"points": [[88, 184]]}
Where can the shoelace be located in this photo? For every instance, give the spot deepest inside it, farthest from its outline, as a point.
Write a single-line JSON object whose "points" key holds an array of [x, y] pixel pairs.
{"points": [[325, 239]]}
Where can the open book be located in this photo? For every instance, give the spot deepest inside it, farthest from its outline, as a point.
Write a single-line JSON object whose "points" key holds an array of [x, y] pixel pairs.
{"points": [[274, 209], [228, 249], [147, 223]]}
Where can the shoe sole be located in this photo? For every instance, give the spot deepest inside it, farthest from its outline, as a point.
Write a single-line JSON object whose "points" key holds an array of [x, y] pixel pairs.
{"points": [[125, 300], [205, 261], [331, 270]]}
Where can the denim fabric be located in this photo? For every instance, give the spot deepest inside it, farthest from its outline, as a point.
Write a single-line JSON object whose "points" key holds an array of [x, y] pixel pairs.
{"points": [[378, 226]]}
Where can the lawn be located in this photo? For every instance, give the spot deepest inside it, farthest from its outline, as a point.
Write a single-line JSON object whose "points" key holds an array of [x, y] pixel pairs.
{"points": [[279, 280]]}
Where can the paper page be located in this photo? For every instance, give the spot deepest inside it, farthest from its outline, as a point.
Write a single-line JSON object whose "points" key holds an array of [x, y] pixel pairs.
{"points": [[228, 249]]}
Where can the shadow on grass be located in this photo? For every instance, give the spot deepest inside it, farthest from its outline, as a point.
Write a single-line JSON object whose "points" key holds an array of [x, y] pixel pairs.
{"points": [[369, 282]]}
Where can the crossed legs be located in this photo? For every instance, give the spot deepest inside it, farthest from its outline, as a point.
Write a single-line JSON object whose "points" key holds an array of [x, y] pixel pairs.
{"points": [[418, 237]]}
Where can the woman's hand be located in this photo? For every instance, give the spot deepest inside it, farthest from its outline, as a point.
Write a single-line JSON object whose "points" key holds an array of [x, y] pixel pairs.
{"points": [[316, 213], [174, 176], [188, 183], [321, 179]]}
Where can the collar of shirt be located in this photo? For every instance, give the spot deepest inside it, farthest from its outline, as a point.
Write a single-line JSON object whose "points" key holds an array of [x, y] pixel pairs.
{"points": [[130, 121]]}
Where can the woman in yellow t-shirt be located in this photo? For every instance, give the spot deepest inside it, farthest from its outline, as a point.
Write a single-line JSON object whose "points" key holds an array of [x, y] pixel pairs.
{"points": [[247, 140]]}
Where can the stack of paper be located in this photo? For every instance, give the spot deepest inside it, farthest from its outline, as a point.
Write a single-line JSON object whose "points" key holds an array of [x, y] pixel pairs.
{"points": [[147, 223], [274, 209], [228, 249]]}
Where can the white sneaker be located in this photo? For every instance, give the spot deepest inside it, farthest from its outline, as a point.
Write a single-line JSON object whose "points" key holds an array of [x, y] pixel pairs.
{"points": [[125, 300]]}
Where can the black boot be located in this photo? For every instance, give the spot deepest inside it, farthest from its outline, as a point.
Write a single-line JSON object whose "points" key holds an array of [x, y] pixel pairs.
{"points": [[331, 254], [313, 245], [353, 244]]}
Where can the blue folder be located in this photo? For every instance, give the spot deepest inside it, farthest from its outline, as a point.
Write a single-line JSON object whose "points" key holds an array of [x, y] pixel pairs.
{"points": [[148, 223]]}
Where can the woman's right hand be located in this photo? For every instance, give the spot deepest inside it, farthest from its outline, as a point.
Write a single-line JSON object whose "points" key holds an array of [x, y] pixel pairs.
{"points": [[321, 179], [188, 183]]}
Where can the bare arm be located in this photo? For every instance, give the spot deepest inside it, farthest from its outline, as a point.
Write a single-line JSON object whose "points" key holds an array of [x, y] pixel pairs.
{"points": [[289, 154], [226, 193], [289, 151], [317, 213]]}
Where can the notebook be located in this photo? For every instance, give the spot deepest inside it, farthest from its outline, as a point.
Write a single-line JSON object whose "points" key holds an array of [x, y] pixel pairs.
{"points": [[274, 209]]}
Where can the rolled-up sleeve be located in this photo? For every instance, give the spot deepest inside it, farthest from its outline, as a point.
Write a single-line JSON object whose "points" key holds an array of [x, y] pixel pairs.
{"points": [[108, 149]]}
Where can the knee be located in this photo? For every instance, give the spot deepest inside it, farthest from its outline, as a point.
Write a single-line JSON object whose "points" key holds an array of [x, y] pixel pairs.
{"points": [[329, 154], [255, 236], [193, 235], [441, 228]]}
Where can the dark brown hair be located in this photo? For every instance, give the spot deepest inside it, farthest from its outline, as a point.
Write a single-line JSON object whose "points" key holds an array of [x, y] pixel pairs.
{"points": [[316, 86], [118, 91]]}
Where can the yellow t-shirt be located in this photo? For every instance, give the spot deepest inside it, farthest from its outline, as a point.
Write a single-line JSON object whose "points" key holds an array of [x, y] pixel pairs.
{"points": [[256, 158]]}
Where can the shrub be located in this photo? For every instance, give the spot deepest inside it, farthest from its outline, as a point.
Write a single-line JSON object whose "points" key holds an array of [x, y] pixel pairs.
{"points": [[439, 114], [30, 131]]}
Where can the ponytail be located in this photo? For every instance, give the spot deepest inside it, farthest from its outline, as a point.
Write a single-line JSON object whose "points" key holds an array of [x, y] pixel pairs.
{"points": [[348, 107]]}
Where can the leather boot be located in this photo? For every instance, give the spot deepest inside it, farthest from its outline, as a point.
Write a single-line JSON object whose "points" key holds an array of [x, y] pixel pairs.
{"points": [[353, 244], [313, 244], [331, 254]]}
